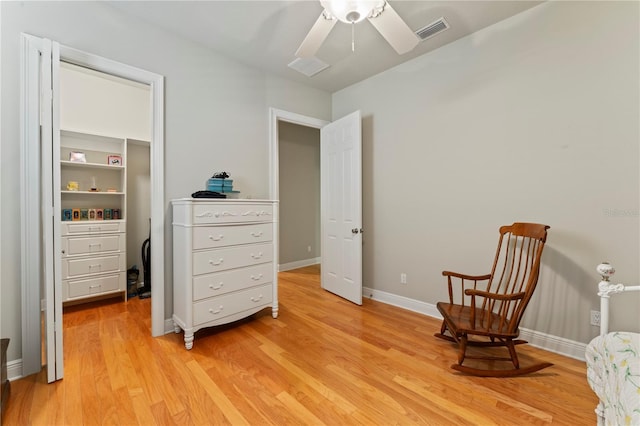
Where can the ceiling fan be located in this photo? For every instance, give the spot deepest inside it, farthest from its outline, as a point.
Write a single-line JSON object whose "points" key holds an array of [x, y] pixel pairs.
{"points": [[381, 15]]}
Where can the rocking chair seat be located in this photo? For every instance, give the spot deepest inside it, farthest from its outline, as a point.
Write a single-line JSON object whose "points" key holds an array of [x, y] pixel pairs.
{"points": [[488, 315], [459, 318]]}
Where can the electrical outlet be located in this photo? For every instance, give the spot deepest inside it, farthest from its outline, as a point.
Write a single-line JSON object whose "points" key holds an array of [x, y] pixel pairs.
{"points": [[595, 318], [403, 278], [309, 249]]}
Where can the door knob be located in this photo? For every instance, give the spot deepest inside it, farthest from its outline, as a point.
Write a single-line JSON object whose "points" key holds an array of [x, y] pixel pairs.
{"points": [[355, 231]]}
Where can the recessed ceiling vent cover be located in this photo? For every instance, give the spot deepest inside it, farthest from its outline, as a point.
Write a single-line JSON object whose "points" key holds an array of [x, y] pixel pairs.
{"points": [[432, 29], [308, 66]]}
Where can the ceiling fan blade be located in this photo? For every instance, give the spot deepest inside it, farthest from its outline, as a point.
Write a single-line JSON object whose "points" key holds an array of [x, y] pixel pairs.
{"points": [[395, 30], [316, 36]]}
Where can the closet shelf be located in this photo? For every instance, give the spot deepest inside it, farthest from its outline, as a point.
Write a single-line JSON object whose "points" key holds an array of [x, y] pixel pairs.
{"points": [[92, 192], [66, 163]]}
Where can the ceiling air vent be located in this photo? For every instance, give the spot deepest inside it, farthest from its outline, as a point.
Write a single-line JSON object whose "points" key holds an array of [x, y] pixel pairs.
{"points": [[432, 29], [308, 66]]}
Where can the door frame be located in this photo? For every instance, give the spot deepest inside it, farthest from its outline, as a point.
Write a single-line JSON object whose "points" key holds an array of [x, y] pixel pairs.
{"points": [[31, 276], [276, 115]]}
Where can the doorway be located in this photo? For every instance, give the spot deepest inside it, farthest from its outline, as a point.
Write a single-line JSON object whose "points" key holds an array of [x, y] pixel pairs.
{"points": [[341, 197], [278, 118], [40, 60], [96, 103], [299, 210]]}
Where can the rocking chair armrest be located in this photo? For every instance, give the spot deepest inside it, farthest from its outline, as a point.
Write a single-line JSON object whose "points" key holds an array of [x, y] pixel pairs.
{"points": [[466, 277], [495, 296]]}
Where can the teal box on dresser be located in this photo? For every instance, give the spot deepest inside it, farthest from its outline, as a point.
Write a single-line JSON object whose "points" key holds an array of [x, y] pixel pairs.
{"points": [[220, 185]]}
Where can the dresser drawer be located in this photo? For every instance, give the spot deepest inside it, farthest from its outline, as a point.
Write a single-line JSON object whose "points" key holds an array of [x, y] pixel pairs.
{"points": [[74, 267], [233, 303], [92, 286], [205, 286], [205, 262], [219, 236], [71, 228], [230, 213], [73, 246]]}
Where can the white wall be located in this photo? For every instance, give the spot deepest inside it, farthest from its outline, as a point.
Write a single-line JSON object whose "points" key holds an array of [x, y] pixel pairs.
{"points": [[533, 119], [98, 103], [216, 115]]}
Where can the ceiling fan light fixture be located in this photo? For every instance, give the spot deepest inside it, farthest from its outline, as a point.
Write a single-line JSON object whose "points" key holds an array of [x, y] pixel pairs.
{"points": [[352, 11]]}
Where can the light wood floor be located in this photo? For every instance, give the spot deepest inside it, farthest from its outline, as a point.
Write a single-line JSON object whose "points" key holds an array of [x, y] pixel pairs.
{"points": [[323, 361]]}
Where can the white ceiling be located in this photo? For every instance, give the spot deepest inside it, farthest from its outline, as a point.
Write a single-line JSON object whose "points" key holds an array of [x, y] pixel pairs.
{"points": [[266, 34]]}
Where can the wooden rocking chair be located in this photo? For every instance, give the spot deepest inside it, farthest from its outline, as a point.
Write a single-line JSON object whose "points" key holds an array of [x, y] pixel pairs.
{"points": [[489, 315]]}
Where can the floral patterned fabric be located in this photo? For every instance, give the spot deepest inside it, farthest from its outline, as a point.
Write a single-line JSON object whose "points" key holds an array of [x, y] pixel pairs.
{"points": [[613, 372]]}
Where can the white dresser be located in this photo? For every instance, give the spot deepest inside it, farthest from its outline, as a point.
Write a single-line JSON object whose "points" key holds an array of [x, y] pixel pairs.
{"points": [[224, 262]]}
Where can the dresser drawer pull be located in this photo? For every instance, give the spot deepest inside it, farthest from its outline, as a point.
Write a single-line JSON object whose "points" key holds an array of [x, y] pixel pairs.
{"points": [[256, 256], [95, 244], [256, 277], [224, 214], [220, 308], [95, 266], [214, 263], [256, 234], [257, 214], [218, 238], [218, 287], [94, 228], [256, 299], [95, 286]]}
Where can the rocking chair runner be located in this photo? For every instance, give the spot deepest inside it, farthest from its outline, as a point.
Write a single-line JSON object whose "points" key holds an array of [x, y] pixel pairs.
{"points": [[488, 316]]}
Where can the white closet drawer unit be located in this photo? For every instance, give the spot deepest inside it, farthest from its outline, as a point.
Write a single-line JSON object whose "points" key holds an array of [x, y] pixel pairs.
{"points": [[75, 267], [205, 262], [217, 308], [98, 227], [205, 286], [73, 289], [220, 236], [73, 246], [223, 262]]}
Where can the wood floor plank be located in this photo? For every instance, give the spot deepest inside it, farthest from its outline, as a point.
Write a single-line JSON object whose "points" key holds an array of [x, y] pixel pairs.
{"points": [[324, 361], [300, 413], [40, 399], [217, 396]]}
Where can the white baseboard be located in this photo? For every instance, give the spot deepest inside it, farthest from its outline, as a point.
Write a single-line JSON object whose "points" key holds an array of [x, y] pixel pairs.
{"points": [[402, 302], [544, 341], [298, 264], [14, 369], [555, 344], [168, 326]]}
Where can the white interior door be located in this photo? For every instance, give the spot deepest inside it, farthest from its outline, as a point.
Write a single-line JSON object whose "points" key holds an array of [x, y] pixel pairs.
{"points": [[50, 155], [341, 199]]}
